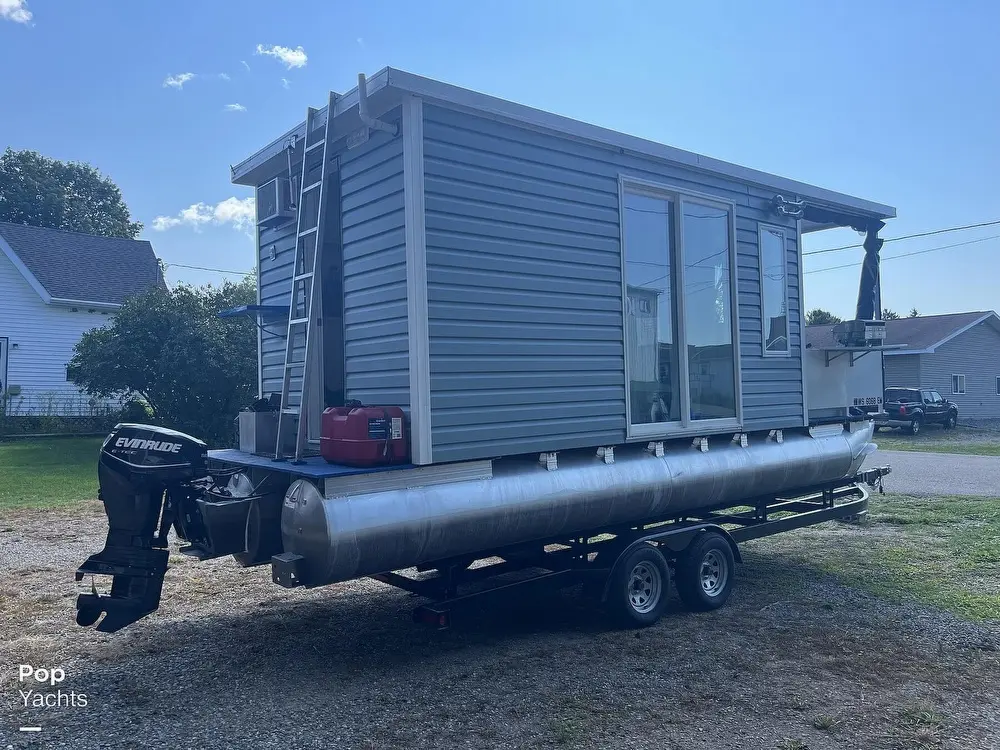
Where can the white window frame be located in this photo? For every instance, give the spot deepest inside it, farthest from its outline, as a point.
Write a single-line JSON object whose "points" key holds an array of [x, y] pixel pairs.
{"points": [[958, 385], [680, 196], [787, 351]]}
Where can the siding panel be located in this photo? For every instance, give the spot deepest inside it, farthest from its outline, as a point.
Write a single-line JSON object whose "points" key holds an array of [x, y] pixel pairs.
{"points": [[524, 290], [975, 354], [45, 336], [375, 314], [373, 238]]}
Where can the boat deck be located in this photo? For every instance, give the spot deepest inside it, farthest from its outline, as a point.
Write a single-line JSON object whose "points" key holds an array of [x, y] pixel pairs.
{"points": [[315, 467]]}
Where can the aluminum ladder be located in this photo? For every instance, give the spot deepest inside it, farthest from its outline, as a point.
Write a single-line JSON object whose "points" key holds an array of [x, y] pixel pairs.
{"points": [[302, 318]]}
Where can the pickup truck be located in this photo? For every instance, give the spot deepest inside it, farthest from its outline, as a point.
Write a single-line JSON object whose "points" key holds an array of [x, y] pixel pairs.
{"points": [[912, 408]]}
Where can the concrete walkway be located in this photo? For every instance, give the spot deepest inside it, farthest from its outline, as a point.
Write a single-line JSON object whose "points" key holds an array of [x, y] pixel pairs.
{"points": [[916, 473]]}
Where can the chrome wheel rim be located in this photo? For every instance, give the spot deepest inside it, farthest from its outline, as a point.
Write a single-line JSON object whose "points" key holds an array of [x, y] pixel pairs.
{"points": [[645, 586], [915, 426], [714, 573]]}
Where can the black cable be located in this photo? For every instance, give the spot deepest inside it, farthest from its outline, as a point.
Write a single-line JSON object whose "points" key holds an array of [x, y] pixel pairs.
{"points": [[217, 270], [908, 237], [907, 255]]}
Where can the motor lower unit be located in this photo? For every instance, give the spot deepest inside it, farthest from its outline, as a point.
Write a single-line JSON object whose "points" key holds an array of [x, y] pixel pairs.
{"points": [[151, 480]]}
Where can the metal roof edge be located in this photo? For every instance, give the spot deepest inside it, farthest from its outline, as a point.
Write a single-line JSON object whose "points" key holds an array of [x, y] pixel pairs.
{"points": [[28, 275], [449, 93], [446, 93], [344, 103]]}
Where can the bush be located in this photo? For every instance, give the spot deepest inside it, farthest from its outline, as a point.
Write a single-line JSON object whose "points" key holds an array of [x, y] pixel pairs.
{"points": [[13, 426], [137, 410]]}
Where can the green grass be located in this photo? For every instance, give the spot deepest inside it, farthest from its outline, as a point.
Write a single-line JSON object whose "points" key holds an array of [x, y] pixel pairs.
{"points": [[933, 439], [48, 473], [941, 551]]}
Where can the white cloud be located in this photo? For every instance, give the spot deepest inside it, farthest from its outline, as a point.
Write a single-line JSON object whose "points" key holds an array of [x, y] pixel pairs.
{"points": [[285, 83], [237, 212], [15, 10], [235, 108], [361, 42], [176, 81], [245, 65], [224, 76], [292, 58]]}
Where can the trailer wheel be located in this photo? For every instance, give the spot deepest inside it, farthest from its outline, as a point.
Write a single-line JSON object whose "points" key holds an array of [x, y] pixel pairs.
{"points": [[639, 587], [705, 572]]}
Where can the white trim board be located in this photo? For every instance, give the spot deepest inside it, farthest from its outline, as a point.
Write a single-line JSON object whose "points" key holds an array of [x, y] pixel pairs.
{"points": [[416, 281], [491, 106]]}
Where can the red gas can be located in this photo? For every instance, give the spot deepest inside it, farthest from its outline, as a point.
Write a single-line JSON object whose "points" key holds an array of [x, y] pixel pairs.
{"points": [[364, 435]]}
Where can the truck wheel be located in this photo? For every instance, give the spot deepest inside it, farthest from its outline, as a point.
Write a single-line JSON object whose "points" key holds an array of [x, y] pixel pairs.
{"points": [[639, 587], [951, 421], [705, 572], [915, 424]]}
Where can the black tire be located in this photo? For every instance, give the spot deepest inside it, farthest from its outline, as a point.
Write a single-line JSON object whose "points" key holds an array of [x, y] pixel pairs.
{"points": [[915, 425], [706, 572], [639, 587], [951, 421]]}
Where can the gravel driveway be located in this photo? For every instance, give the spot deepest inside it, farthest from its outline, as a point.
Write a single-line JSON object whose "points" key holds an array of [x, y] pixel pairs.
{"points": [[793, 661], [925, 473]]}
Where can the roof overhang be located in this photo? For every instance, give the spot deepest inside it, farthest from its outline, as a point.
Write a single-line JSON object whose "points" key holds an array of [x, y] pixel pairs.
{"points": [[33, 282], [991, 317], [387, 88]]}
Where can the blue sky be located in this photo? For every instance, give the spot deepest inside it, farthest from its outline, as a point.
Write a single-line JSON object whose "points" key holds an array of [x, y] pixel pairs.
{"points": [[893, 101]]}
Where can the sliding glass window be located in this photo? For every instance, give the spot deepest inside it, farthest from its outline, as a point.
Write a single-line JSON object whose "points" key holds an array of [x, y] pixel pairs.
{"points": [[680, 353], [773, 290]]}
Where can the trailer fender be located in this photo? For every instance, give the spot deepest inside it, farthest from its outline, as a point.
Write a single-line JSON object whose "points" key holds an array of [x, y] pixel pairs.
{"points": [[680, 539]]}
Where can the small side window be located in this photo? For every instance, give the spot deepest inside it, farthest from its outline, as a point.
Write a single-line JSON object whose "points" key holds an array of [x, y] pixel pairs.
{"points": [[774, 290], [998, 385], [958, 384]]}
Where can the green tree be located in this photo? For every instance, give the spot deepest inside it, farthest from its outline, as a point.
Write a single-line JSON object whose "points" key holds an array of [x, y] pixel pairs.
{"points": [[888, 314], [170, 348], [820, 317], [914, 313], [50, 193]]}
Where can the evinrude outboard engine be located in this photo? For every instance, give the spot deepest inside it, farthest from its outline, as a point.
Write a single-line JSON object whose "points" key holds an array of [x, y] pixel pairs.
{"points": [[152, 479]]}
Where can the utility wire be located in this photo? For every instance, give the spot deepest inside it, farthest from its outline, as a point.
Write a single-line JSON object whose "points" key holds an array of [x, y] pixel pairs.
{"points": [[907, 255], [811, 252], [908, 237], [203, 268]]}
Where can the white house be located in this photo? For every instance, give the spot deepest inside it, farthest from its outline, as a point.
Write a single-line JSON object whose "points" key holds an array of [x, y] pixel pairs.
{"points": [[54, 286]]}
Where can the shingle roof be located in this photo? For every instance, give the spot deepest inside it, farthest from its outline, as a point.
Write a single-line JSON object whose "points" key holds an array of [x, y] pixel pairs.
{"points": [[84, 267], [919, 334]]}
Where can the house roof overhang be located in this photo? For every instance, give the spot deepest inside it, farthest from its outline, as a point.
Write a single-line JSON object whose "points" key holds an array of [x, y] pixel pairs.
{"points": [[989, 317], [386, 89]]}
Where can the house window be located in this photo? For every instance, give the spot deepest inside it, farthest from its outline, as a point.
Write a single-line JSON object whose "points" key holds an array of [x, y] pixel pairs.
{"points": [[773, 290], [998, 386], [958, 384], [680, 357]]}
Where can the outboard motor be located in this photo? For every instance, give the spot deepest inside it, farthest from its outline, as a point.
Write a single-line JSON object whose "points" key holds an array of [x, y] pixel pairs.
{"points": [[152, 479]]}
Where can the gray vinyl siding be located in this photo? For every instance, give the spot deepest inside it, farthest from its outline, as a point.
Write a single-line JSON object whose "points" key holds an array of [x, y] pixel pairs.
{"points": [[903, 370], [276, 289], [975, 354], [375, 330], [376, 346], [525, 297]]}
